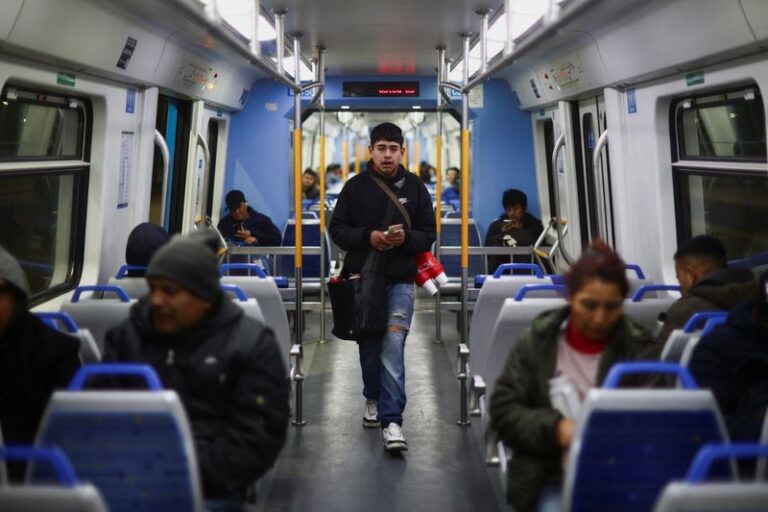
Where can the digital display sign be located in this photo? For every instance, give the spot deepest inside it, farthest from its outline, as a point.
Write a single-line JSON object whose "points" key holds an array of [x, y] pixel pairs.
{"points": [[380, 89]]}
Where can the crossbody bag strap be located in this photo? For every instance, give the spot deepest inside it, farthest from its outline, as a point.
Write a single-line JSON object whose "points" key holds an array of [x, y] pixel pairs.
{"points": [[394, 199]]}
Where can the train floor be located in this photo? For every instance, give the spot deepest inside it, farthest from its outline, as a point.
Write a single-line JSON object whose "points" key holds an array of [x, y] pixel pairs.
{"points": [[334, 464]]}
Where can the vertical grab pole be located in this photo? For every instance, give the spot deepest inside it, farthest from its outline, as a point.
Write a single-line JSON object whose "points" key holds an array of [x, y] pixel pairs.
{"points": [[280, 37], [320, 77], [439, 184], [255, 44], [464, 409], [298, 323], [345, 154]]}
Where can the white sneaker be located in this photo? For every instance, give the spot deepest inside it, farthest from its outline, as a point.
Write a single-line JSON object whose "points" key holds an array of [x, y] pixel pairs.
{"points": [[394, 441], [371, 414]]}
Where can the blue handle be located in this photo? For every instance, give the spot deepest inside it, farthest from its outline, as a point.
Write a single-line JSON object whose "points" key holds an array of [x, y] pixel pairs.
{"points": [[711, 452], [116, 369], [712, 323], [638, 295], [701, 317], [101, 288], [124, 269], [233, 288], [636, 268], [50, 320], [281, 281], [53, 456], [224, 268], [619, 370], [538, 288], [480, 280], [518, 266]]}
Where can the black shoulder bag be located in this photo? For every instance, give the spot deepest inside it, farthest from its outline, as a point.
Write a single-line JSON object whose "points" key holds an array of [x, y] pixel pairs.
{"points": [[359, 302]]}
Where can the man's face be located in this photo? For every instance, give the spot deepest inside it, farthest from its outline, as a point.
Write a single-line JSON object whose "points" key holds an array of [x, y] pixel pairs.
{"points": [[7, 304], [686, 276], [174, 308], [308, 181], [240, 213], [452, 176], [515, 213], [386, 156]]}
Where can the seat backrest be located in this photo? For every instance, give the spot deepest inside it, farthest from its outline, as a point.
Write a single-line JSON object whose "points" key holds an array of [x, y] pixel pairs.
{"points": [[136, 447], [645, 309], [487, 358], [89, 349], [265, 291], [310, 237], [674, 348], [450, 236], [630, 443], [98, 316], [135, 287]]}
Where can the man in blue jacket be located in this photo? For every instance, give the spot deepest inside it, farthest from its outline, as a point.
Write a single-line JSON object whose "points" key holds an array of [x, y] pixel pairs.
{"points": [[245, 225], [358, 227]]}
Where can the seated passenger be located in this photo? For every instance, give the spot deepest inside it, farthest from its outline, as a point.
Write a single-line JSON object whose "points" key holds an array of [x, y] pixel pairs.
{"points": [[34, 361], [144, 240], [332, 175], [309, 185], [514, 228], [226, 368], [706, 282], [244, 225], [732, 361], [451, 193], [579, 341]]}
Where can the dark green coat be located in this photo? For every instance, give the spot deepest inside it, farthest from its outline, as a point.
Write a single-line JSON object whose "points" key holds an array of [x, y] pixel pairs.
{"points": [[521, 412]]}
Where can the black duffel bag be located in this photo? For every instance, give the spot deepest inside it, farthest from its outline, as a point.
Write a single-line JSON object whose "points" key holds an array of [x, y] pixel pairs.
{"points": [[359, 302]]}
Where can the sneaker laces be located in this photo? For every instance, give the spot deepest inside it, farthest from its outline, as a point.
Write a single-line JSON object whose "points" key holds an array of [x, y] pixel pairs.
{"points": [[394, 431]]}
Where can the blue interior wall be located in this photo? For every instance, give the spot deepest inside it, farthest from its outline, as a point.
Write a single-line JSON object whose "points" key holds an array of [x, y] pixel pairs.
{"points": [[259, 147], [502, 153]]}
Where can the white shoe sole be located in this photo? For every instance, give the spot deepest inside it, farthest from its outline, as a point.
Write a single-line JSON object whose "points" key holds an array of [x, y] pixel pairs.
{"points": [[396, 446], [371, 423]]}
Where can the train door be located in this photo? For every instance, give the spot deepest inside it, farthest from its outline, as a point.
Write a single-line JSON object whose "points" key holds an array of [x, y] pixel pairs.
{"points": [[553, 137], [594, 183], [215, 127]]}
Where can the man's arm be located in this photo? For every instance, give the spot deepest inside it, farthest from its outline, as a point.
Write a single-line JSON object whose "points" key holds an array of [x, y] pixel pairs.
{"points": [[422, 234], [344, 232], [226, 227], [257, 422], [266, 232]]}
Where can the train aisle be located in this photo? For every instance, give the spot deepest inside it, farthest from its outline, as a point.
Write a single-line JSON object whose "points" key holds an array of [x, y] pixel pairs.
{"points": [[334, 464]]}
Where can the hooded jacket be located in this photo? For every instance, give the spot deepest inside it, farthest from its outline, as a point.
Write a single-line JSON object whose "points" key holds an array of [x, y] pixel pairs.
{"points": [[230, 376], [521, 412], [719, 291], [361, 209], [732, 361]]}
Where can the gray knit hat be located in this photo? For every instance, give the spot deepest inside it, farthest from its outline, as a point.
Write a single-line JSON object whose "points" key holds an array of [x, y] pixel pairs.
{"points": [[191, 261], [10, 271]]}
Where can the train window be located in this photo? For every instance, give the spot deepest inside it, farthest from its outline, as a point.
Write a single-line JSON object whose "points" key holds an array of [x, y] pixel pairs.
{"points": [[34, 126], [721, 187], [43, 182]]}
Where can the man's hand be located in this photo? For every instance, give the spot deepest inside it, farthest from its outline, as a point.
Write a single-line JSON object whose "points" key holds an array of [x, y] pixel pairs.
{"points": [[380, 242], [564, 432], [508, 226], [396, 235]]}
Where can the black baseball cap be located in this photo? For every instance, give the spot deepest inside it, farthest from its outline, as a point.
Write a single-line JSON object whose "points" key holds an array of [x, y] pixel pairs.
{"points": [[234, 199]]}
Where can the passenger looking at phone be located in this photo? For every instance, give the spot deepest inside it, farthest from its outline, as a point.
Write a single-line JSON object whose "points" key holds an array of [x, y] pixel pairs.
{"points": [[244, 225], [579, 341], [360, 223], [514, 228]]}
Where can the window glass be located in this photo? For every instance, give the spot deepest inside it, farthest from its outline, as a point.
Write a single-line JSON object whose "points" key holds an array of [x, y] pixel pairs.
{"points": [[40, 215], [732, 208], [36, 130], [733, 131]]}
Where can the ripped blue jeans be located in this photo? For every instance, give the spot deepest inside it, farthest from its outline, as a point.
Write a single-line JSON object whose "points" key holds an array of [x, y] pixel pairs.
{"points": [[382, 359]]}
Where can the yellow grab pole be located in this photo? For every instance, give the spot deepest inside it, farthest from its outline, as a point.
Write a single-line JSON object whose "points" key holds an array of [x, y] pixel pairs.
{"points": [[344, 159], [464, 198], [358, 156], [297, 192], [438, 183], [416, 156], [322, 185], [405, 157]]}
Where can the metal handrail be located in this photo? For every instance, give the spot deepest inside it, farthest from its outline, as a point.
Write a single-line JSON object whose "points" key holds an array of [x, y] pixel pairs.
{"points": [[160, 143], [201, 142], [558, 146], [602, 221]]}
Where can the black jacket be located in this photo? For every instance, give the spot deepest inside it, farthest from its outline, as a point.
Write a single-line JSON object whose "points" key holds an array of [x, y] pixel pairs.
{"points": [[361, 209], [732, 361], [231, 378], [719, 291], [519, 237], [34, 361], [257, 223]]}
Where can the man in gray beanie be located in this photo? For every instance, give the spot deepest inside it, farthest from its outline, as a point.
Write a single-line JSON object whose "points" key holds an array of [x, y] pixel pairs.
{"points": [[226, 367], [34, 360]]}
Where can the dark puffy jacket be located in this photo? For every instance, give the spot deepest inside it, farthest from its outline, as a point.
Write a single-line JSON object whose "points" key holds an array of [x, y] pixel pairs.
{"points": [[361, 209], [34, 361], [732, 361], [524, 236], [231, 378], [719, 291], [521, 411], [257, 223]]}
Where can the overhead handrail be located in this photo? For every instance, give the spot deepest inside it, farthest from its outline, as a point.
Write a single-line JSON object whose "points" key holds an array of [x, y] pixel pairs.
{"points": [[701, 317], [561, 246], [163, 146], [116, 369], [602, 221], [527, 288], [619, 370], [442, 86], [203, 197], [121, 294], [640, 292]]}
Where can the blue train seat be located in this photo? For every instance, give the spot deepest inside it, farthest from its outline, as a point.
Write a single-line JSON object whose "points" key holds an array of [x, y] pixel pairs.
{"points": [[98, 316], [311, 237], [66, 494], [451, 237], [629, 443], [644, 306], [89, 349], [135, 287], [136, 447]]}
